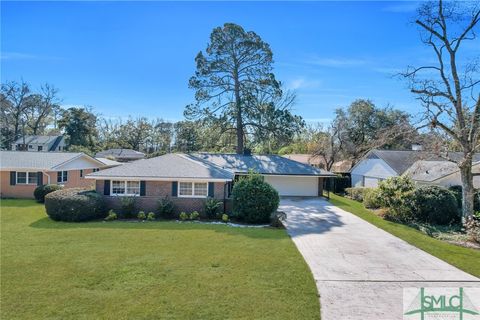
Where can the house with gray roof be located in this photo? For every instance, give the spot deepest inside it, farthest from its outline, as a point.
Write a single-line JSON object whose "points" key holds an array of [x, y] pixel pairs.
{"points": [[440, 173], [40, 143], [21, 172], [378, 165], [121, 155], [187, 179]]}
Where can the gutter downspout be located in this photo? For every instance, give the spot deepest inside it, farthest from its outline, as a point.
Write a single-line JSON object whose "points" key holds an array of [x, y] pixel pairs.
{"points": [[47, 176]]}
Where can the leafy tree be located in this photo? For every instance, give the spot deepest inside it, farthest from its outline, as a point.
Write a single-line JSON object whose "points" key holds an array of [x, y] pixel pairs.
{"points": [[448, 87], [186, 136], [363, 126], [233, 76], [134, 133], [41, 107], [79, 124], [13, 104]]}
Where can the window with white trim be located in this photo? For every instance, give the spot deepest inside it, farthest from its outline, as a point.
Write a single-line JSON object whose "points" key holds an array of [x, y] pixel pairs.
{"points": [[193, 189], [125, 188], [62, 176], [26, 178]]}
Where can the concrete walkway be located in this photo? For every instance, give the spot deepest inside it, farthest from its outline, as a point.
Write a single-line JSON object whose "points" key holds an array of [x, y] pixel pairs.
{"points": [[361, 270]]}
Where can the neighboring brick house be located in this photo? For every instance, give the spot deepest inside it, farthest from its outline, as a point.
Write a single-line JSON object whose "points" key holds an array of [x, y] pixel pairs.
{"points": [[21, 172], [182, 178], [189, 179], [40, 143]]}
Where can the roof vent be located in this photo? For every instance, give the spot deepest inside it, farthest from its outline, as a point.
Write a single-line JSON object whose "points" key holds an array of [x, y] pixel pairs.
{"points": [[417, 147]]}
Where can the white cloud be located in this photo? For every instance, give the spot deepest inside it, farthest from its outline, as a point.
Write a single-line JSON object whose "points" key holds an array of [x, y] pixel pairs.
{"points": [[303, 83]]}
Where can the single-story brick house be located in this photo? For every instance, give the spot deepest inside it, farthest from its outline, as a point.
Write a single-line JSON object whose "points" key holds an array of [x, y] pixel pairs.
{"points": [[188, 179], [21, 171]]}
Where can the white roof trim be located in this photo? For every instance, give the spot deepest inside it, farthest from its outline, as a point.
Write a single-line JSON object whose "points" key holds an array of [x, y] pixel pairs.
{"points": [[77, 157]]}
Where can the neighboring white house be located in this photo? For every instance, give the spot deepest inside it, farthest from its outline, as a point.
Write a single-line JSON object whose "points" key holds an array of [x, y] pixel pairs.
{"points": [[39, 143], [440, 173], [378, 165]]}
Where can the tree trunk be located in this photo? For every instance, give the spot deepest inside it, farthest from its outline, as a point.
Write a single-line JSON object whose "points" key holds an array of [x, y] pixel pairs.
{"points": [[468, 190], [239, 120]]}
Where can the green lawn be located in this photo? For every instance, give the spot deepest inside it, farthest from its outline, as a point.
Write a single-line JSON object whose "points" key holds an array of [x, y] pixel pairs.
{"points": [[463, 258], [151, 270]]}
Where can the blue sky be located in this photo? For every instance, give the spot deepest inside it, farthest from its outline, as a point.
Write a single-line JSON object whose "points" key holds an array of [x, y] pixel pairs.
{"points": [[135, 58]]}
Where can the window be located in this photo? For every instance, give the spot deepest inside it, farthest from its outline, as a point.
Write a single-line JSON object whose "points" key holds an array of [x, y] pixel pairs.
{"points": [[81, 173], [201, 189], [133, 187], [40, 148], [193, 189], [125, 188], [96, 169], [27, 178], [62, 176], [30, 147]]}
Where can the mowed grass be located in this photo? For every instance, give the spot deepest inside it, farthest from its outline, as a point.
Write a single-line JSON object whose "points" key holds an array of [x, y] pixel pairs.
{"points": [[151, 270], [463, 258]]}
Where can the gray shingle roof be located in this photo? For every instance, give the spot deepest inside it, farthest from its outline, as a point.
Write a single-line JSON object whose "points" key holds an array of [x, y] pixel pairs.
{"points": [[424, 170], [35, 160], [120, 153], [167, 166], [264, 164], [37, 139], [400, 160], [109, 162]]}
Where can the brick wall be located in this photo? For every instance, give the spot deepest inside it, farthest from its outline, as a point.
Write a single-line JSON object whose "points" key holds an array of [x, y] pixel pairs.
{"points": [[26, 190], [156, 190]]}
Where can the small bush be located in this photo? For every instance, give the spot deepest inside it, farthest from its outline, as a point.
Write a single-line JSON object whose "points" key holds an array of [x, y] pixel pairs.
{"points": [[225, 218], [435, 205], [141, 215], [277, 219], [166, 208], [75, 205], [194, 215], [395, 195], [183, 216], [356, 193], [111, 216], [371, 199], [128, 207], [211, 207], [151, 216], [254, 200], [41, 191]]}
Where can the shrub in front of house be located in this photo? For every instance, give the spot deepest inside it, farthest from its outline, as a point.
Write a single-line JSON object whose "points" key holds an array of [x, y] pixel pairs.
{"points": [[141, 215], [371, 198], [111, 216], [128, 207], [151, 216], [41, 191], [254, 200], [395, 194], [211, 207], [166, 208], [225, 218], [194, 215], [356, 193], [75, 205], [435, 205], [183, 216]]}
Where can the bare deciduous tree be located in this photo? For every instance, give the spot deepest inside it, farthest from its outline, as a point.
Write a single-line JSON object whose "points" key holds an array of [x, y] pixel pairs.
{"points": [[448, 88]]}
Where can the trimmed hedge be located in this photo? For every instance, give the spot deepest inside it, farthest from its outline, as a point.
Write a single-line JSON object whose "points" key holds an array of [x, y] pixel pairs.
{"points": [[457, 192], [41, 191], [254, 200], [435, 205], [75, 205]]}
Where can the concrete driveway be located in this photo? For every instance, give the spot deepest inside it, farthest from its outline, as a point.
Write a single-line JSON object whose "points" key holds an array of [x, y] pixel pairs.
{"points": [[361, 270]]}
